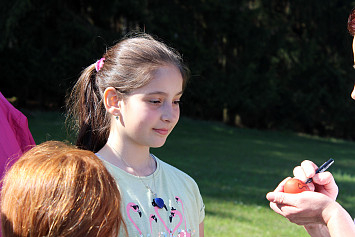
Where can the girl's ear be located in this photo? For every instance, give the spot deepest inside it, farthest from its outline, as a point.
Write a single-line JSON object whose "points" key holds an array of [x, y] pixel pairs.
{"points": [[112, 101]]}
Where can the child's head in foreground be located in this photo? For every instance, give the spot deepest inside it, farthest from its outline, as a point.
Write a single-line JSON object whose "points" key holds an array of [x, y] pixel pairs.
{"points": [[58, 190]]}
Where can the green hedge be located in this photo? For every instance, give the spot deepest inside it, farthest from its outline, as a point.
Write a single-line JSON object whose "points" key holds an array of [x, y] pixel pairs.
{"points": [[261, 64]]}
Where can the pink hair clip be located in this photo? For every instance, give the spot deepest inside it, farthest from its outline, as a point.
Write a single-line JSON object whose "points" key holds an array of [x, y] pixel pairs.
{"points": [[99, 63]]}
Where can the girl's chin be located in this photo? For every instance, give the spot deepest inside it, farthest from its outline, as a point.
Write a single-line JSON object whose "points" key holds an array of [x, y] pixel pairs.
{"points": [[158, 144]]}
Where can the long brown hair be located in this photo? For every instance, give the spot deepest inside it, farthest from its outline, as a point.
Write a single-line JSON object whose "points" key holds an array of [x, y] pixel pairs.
{"points": [[58, 190], [128, 65]]}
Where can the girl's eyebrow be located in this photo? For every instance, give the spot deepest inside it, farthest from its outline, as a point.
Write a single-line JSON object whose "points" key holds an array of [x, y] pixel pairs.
{"points": [[163, 93]]}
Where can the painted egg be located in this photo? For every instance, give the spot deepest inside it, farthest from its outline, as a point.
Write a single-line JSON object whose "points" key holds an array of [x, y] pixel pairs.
{"points": [[295, 186]]}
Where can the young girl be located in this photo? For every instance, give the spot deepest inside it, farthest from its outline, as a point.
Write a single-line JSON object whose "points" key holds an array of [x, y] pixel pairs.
{"points": [[59, 190], [125, 103]]}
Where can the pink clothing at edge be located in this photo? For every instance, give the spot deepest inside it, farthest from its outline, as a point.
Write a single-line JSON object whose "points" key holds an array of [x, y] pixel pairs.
{"points": [[15, 137]]}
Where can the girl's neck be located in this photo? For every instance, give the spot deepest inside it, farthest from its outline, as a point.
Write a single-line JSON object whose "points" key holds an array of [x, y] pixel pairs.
{"points": [[130, 158]]}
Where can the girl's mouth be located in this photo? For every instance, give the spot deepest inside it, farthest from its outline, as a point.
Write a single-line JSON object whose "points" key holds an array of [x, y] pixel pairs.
{"points": [[161, 131]]}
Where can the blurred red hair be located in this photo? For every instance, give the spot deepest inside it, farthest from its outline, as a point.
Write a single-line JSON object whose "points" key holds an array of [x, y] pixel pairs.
{"points": [[351, 22], [58, 190]]}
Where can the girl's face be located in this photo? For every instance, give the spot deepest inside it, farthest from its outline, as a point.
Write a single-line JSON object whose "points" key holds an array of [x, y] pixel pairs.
{"points": [[150, 113]]}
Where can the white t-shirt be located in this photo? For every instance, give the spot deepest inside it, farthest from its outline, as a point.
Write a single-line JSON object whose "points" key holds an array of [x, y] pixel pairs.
{"points": [[184, 205]]}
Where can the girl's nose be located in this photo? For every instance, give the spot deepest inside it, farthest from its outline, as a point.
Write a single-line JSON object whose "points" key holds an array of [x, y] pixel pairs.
{"points": [[353, 93], [170, 113]]}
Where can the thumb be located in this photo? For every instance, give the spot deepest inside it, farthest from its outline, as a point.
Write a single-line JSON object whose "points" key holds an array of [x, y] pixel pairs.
{"points": [[281, 198]]}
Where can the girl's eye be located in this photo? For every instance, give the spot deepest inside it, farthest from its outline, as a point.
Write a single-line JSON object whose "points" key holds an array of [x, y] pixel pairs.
{"points": [[157, 102]]}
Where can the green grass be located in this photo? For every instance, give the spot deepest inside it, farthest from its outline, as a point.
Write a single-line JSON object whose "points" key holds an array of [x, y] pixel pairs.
{"points": [[235, 168]]}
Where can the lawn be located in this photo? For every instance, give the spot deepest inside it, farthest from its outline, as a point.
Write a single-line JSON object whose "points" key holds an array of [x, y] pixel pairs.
{"points": [[235, 168]]}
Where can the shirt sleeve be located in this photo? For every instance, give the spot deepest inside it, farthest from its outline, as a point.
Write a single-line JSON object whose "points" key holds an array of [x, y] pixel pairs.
{"points": [[201, 206]]}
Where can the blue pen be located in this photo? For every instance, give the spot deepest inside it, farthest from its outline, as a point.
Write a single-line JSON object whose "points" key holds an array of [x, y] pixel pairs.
{"points": [[322, 168]]}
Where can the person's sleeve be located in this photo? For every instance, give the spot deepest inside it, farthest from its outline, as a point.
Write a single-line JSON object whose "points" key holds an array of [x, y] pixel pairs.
{"points": [[200, 204]]}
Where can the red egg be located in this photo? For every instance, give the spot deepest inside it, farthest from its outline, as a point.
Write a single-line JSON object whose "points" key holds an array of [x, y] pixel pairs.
{"points": [[295, 186]]}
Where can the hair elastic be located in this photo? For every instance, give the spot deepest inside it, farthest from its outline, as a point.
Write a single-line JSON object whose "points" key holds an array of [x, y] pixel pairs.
{"points": [[99, 63]]}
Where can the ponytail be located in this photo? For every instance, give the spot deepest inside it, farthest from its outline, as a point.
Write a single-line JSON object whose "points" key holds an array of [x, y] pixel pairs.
{"points": [[88, 113]]}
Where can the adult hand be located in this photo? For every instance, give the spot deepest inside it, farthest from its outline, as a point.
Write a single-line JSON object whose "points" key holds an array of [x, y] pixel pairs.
{"points": [[303, 208], [313, 209], [318, 213]]}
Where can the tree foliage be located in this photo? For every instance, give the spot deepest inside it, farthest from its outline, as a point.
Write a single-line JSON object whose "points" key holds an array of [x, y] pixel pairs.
{"points": [[272, 64]]}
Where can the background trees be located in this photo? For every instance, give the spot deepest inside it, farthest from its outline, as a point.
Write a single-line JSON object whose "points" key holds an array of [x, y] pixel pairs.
{"points": [[271, 64]]}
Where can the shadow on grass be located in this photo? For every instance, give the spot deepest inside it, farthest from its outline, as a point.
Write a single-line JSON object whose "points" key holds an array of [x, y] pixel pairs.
{"points": [[46, 126]]}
